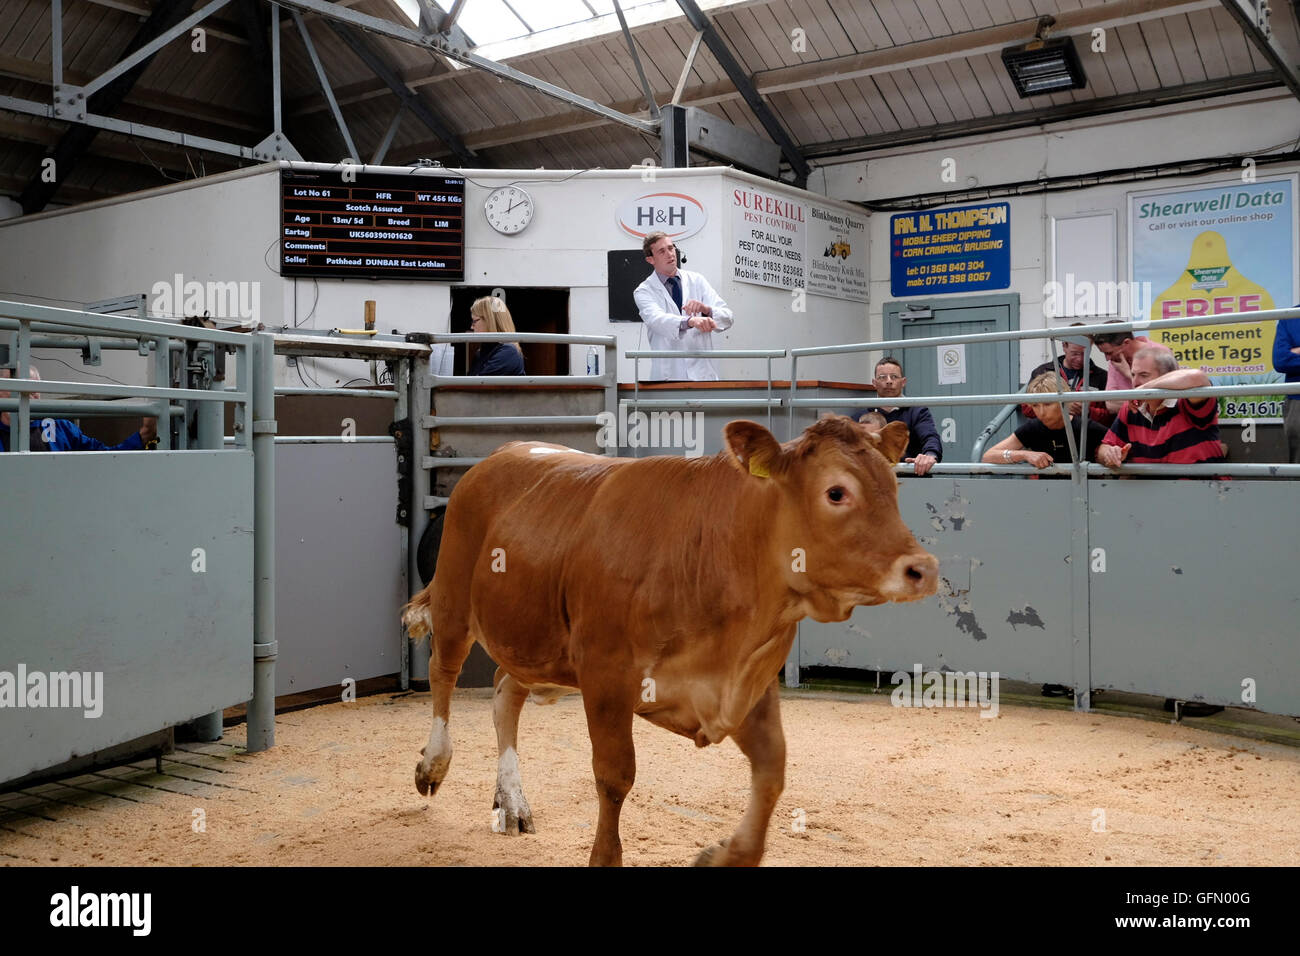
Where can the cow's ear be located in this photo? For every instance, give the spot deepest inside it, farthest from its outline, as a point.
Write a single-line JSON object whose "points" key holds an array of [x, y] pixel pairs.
{"points": [[891, 441], [753, 449]]}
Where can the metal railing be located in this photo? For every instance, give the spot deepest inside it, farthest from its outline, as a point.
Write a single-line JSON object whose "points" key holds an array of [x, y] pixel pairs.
{"points": [[1077, 466], [1078, 471], [607, 379], [327, 343], [409, 356], [89, 332], [991, 429], [770, 402], [37, 326]]}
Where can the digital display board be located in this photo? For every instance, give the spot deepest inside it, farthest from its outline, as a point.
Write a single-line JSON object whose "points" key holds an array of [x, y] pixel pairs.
{"points": [[342, 224]]}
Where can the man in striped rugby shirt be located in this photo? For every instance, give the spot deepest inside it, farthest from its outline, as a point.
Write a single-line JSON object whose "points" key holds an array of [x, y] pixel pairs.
{"points": [[1179, 431]]}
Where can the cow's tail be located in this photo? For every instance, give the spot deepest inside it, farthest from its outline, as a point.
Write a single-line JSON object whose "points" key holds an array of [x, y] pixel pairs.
{"points": [[416, 615]]}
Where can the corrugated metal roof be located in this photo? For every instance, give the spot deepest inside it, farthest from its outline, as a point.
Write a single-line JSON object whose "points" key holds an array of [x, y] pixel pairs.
{"points": [[839, 75]]}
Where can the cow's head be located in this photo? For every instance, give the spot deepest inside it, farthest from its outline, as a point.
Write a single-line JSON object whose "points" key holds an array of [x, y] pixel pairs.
{"points": [[839, 539]]}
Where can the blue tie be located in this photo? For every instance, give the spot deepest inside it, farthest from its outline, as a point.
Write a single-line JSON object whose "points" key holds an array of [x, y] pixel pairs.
{"points": [[675, 287]]}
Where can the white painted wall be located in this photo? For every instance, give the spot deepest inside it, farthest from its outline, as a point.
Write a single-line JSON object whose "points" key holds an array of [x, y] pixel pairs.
{"points": [[67, 258], [1249, 124], [221, 228], [576, 225]]}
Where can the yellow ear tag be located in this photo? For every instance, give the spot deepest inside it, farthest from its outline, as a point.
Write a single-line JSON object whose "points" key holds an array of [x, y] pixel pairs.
{"points": [[758, 469]]}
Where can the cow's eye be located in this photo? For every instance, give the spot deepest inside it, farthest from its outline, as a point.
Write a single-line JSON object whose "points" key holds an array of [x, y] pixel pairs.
{"points": [[836, 494]]}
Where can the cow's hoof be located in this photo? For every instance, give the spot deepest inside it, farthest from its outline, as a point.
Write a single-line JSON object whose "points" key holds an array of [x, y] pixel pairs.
{"points": [[435, 759], [511, 813], [424, 781], [715, 855]]}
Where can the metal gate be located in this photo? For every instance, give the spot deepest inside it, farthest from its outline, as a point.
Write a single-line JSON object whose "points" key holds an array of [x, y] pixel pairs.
{"points": [[136, 589]]}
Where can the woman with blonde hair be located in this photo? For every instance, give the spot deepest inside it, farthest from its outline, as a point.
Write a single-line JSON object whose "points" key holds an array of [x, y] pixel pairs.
{"points": [[489, 314], [1041, 441]]}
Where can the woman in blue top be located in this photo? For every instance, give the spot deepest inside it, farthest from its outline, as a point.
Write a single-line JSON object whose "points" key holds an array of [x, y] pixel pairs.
{"points": [[490, 314]]}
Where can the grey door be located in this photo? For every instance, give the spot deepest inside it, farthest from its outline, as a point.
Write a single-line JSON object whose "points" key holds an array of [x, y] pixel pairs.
{"points": [[990, 366]]}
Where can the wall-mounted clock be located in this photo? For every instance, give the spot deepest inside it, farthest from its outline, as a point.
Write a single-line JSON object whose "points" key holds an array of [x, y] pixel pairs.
{"points": [[509, 209]]}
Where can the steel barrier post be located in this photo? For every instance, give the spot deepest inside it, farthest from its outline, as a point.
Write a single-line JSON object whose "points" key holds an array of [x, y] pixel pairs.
{"points": [[419, 406], [769, 393], [402, 385], [611, 393], [261, 388], [20, 434], [162, 370], [794, 392], [792, 659], [209, 423], [1080, 585]]}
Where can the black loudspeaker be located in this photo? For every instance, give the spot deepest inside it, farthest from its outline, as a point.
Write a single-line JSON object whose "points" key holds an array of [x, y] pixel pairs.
{"points": [[627, 270]]}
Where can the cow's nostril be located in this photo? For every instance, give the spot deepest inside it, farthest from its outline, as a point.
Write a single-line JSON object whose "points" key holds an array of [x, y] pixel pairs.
{"points": [[914, 573]]}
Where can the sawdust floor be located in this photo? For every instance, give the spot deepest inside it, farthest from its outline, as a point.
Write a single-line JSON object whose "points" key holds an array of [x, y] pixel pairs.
{"points": [[877, 786]]}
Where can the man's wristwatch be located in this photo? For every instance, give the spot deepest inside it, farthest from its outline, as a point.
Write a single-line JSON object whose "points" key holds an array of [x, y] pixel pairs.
{"points": [[686, 324], [1006, 454]]}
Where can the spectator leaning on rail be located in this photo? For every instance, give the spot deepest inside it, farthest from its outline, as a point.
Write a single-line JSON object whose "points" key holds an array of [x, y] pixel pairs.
{"points": [[1041, 441], [680, 311], [59, 434], [1075, 355], [1286, 359], [1120, 348], [489, 314], [1178, 431], [924, 449]]}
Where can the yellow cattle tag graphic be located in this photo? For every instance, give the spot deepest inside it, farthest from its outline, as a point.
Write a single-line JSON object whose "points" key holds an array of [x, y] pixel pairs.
{"points": [[1213, 285]]}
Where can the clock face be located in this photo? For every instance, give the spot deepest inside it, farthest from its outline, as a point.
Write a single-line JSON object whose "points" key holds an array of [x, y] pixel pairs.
{"points": [[508, 209]]}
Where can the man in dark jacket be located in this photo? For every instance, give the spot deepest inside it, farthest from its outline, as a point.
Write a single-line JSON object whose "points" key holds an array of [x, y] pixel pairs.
{"points": [[1070, 366], [924, 449]]}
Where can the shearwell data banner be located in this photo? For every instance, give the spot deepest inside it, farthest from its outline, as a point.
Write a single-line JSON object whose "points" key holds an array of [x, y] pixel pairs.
{"points": [[1214, 250]]}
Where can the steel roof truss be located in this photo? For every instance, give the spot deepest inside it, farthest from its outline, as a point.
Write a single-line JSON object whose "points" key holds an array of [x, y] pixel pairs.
{"points": [[152, 47], [380, 67], [731, 66], [636, 61], [325, 87], [1253, 15], [448, 48]]}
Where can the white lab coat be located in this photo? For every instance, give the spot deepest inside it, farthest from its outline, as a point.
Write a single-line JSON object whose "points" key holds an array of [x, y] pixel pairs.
{"points": [[663, 322]]}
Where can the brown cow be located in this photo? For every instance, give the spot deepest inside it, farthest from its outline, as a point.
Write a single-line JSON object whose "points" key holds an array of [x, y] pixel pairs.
{"points": [[665, 587]]}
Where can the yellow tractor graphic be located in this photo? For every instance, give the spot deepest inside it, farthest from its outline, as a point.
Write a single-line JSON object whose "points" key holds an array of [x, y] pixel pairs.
{"points": [[839, 248]]}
